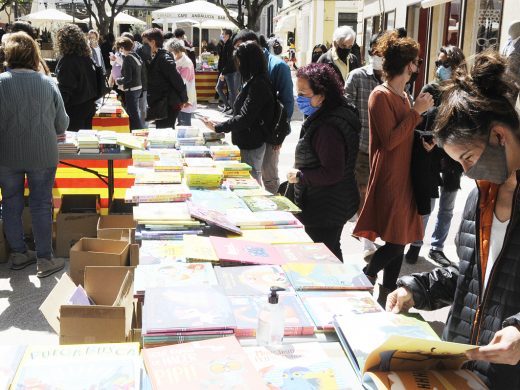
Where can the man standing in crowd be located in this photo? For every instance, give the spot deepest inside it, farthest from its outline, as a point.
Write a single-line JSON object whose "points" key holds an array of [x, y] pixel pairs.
{"points": [[339, 56], [228, 73], [281, 81], [360, 83], [97, 56], [190, 50]]}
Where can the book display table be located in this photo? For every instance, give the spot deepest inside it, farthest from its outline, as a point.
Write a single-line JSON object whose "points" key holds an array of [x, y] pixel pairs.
{"points": [[120, 124], [205, 82]]}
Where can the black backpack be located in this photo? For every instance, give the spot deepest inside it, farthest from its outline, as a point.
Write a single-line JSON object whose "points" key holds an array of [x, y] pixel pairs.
{"points": [[281, 127]]}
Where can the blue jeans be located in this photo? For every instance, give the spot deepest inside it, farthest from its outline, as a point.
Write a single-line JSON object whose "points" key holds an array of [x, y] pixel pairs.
{"points": [[232, 81], [41, 181], [443, 222], [255, 158], [142, 108], [132, 109], [184, 119]]}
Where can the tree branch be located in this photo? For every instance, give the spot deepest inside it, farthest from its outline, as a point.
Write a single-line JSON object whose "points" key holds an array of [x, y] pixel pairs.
{"points": [[233, 20]]}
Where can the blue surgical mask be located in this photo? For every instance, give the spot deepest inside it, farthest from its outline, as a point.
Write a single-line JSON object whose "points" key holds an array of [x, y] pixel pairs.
{"points": [[304, 104], [443, 73]]}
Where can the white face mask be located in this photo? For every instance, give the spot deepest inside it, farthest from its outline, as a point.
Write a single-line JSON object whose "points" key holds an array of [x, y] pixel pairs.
{"points": [[377, 62]]}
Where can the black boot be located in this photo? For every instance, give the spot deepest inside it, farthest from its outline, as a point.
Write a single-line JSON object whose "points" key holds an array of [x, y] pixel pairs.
{"points": [[439, 257], [413, 254]]}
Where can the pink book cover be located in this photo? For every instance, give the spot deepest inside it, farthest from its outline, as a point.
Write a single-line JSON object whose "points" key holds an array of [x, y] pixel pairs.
{"points": [[243, 251], [217, 364]]}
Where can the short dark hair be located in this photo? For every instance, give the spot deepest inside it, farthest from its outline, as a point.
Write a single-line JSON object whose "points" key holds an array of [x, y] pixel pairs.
{"points": [[244, 36], [401, 31], [455, 56], [179, 33], [154, 34], [227, 31], [250, 60], [168, 35], [26, 27], [124, 43], [323, 80]]}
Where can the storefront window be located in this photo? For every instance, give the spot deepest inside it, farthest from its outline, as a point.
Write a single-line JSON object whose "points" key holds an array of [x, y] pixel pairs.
{"points": [[367, 35], [489, 20], [453, 23], [390, 20], [347, 19]]}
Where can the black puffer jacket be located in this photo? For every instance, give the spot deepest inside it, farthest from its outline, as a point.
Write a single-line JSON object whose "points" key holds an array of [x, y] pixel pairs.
{"points": [[498, 306], [165, 81], [76, 79], [332, 205], [254, 114]]}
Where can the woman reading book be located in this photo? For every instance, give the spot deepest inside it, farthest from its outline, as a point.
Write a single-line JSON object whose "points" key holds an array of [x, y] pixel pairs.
{"points": [[478, 126]]}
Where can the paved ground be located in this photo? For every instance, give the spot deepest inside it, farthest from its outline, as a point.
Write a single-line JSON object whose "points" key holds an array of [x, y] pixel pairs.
{"points": [[21, 292]]}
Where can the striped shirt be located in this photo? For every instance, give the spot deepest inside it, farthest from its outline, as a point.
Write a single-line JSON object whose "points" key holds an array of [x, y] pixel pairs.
{"points": [[360, 83]]}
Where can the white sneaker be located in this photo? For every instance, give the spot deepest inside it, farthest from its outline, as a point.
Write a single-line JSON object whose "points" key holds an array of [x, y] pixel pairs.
{"points": [[22, 260]]}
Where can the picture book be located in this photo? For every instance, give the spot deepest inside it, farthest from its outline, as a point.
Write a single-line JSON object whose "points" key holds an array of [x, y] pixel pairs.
{"points": [[312, 276], [88, 366], [322, 306], [271, 203], [199, 248], [247, 309], [307, 253], [303, 366], [252, 280], [416, 364], [246, 252], [249, 219], [360, 334], [275, 236], [217, 364], [11, 356], [183, 308], [162, 212], [155, 193], [217, 200], [160, 252], [174, 274], [212, 217]]}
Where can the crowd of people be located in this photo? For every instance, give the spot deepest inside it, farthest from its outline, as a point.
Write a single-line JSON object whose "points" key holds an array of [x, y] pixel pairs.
{"points": [[369, 151]]}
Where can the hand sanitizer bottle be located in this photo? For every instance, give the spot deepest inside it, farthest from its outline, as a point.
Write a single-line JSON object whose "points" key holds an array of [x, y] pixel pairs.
{"points": [[271, 321]]}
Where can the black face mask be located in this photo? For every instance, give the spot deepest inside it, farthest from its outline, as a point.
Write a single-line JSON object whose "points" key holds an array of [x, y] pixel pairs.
{"points": [[316, 57], [343, 54], [147, 49]]}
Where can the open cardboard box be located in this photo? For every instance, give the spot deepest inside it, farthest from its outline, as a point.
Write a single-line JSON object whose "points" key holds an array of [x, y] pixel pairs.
{"points": [[113, 226], [97, 252], [109, 320]]}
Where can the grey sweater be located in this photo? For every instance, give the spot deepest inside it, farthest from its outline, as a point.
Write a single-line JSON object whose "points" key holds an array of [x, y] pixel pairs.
{"points": [[31, 115]]}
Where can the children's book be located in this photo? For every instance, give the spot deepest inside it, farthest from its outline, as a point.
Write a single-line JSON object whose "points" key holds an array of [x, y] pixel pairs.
{"points": [[275, 236], [10, 358], [247, 309], [199, 248], [174, 274], [217, 200], [186, 308], [360, 334], [160, 252], [241, 184], [303, 366], [245, 252], [271, 203], [167, 212], [212, 217], [307, 253], [252, 280], [322, 306], [88, 366], [218, 364], [312, 276], [276, 219]]}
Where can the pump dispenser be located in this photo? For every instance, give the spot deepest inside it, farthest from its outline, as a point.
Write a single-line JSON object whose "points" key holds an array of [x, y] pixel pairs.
{"points": [[271, 325]]}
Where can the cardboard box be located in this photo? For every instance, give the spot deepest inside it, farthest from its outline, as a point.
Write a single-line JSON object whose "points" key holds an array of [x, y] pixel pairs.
{"points": [[109, 320], [4, 247], [77, 218], [112, 227], [96, 252]]}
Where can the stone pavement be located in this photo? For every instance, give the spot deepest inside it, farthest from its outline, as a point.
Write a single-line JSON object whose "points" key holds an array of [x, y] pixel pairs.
{"points": [[21, 292]]}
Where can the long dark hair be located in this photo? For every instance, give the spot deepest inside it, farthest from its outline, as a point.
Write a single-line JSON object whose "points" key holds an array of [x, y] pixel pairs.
{"points": [[250, 60], [472, 103]]}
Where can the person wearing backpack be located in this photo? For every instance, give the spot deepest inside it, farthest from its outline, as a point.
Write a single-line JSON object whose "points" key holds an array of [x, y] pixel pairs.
{"points": [[130, 81], [254, 108], [324, 179], [77, 79]]}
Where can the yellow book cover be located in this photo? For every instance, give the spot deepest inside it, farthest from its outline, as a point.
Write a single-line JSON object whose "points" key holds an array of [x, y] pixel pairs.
{"points": [[198, 248], [275, 236]]}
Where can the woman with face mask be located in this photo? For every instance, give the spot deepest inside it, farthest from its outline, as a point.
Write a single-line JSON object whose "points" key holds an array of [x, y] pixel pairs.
{"points": [[478, 126], [325, 184], [390, 211]]}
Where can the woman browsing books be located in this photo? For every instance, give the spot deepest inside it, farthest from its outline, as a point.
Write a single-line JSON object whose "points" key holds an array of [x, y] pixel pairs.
{"points": [[478, 126], [325, 184]]}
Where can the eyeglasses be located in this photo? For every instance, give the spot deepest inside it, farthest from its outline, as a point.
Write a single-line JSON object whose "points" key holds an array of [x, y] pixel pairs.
{"points": [[418, 62]]}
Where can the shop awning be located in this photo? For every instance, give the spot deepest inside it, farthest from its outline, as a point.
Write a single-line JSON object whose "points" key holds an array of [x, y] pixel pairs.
{"points": [[285, 23], [433, 3]]}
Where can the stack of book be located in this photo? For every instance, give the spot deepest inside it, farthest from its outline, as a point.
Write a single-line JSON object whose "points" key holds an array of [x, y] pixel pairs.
{"points": [[88, 142], [108, 142], [152, 193], [225, 153], [203, 177], [241, 184], [211, 136], [270, 203], [205, 162], [130, 141], [69, 144], [158, 178], [173, 315], [264, 219], [111, 108], [195, 151], [144, 158], [168, 164], [235, 169], [161, 138], [188, 135]]}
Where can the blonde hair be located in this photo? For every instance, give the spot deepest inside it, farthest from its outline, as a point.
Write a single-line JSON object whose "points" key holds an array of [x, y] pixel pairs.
{"points": [[21, 51]]}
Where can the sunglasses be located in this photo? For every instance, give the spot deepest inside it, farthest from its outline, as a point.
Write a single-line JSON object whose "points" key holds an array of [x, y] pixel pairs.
{"points": [[418, 62], [440, 63]]}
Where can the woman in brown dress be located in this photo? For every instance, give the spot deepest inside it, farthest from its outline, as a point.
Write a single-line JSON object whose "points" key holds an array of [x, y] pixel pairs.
{"points": [[390, 211]]}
